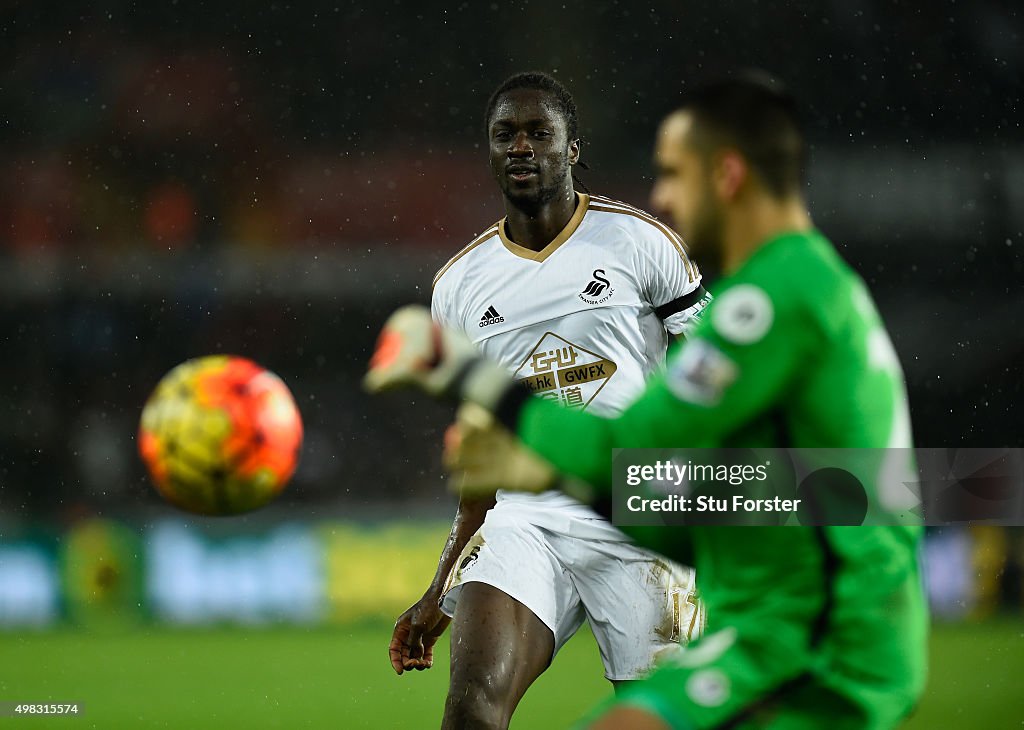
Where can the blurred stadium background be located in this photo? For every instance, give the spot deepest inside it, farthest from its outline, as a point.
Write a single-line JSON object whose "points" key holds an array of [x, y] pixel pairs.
{"points": [[270, 181]]}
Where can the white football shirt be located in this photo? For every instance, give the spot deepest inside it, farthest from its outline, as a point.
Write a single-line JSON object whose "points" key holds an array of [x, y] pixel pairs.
{"points": [[583, 322]]}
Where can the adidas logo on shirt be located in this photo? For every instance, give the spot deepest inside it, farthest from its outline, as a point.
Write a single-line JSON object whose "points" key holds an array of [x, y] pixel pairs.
{"points": [[491, 316]]}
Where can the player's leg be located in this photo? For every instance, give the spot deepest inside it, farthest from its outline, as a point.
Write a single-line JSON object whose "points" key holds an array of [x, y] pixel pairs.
{"points": [[513, 606], [499, 647], [633, 718]]}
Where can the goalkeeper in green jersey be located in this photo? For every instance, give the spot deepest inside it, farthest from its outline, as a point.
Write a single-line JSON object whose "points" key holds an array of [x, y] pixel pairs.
{"points": [[808, 626]]}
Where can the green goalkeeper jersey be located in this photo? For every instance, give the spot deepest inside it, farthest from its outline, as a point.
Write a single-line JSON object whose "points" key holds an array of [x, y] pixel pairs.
{"points": [[791, 353]]}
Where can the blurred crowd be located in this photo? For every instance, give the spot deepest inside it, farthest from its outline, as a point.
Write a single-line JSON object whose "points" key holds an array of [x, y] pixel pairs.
{"points": [[352, 123], [135, 145]]}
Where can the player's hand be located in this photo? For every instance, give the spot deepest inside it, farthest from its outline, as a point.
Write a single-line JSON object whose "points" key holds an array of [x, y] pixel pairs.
{"points": [[413, 350], [483, 457], [416, 632]]}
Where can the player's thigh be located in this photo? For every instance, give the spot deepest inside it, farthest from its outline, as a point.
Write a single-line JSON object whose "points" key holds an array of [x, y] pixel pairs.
{"points": [[497, 639], [516, 559], [639, 605]]}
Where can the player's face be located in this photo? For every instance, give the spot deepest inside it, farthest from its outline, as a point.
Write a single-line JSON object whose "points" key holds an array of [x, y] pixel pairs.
{"points": [[531, 153], [683, 192]]}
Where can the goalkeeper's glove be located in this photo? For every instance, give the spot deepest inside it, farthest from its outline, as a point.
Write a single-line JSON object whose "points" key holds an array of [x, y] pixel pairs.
{"points": [[484, 457], [413, 350]]}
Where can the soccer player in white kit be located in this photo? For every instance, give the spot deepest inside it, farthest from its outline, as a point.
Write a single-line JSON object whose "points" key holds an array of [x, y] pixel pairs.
{"points": [[576, 295]]}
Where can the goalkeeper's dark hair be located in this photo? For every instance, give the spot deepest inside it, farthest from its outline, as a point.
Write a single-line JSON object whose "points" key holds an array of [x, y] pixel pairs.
{"points": [[540, 81], [756, 114]]}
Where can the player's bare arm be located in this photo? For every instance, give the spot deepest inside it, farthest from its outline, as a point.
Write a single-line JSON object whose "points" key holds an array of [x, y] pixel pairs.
{"points": [[423, 623]]}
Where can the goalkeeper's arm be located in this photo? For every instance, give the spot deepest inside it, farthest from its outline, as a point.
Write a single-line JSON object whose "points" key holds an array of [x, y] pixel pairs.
{"points": [[711, 388]]}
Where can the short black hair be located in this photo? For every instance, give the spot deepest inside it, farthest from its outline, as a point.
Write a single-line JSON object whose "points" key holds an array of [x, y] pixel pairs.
{"points": [[538, 81], [756, 114]]}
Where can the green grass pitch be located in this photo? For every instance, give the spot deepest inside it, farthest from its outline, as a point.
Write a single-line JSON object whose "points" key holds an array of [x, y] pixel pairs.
{"points": [[340, 678]]}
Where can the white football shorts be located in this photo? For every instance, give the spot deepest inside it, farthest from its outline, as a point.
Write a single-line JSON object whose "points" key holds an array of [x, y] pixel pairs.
{"points": [[639, 604]]}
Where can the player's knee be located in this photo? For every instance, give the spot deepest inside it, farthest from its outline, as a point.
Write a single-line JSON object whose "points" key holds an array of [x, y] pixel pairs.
{"points": [[477, 702]]}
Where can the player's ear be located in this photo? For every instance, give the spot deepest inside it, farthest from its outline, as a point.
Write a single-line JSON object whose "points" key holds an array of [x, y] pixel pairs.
{"points": [[574, 152], [729, 173]]}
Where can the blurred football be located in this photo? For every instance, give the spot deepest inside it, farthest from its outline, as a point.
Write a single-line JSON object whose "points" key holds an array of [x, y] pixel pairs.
{"points": [[220, 435]]}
